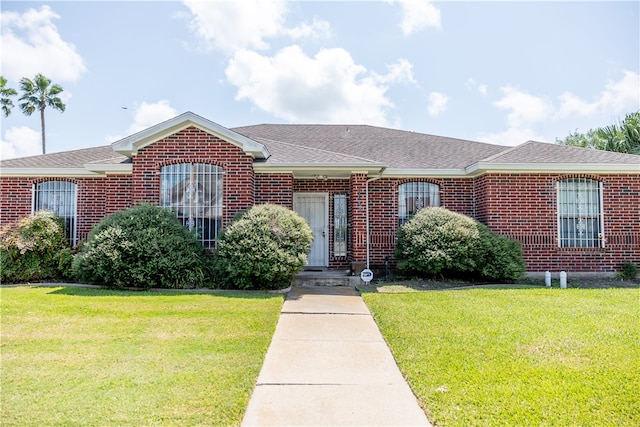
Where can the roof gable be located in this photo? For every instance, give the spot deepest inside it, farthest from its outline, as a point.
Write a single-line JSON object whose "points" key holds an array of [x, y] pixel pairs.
{"points": [[130, 145]]}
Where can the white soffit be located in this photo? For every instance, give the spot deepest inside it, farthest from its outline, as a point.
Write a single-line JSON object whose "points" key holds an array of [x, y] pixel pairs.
{"points": [[488, 167]]}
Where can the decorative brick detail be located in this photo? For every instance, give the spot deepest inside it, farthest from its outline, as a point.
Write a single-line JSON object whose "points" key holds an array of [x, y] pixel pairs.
{"points": [[197, 146], [523, 207]]}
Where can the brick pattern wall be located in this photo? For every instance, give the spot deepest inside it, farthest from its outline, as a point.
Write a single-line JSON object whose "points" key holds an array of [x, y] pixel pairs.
{"points": [[194, 145], [455, 195], [97, 198], [524, 208], [274, 188], [15, 199]]}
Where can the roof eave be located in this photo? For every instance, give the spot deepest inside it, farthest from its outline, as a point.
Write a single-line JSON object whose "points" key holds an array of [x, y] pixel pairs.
{"points": [[480, 168], [315, 170], [424, 173]]}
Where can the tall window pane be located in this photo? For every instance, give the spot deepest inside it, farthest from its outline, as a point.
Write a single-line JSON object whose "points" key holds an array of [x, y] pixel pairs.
{"points": [[340, 225], [414, 196], [580, 217], [193, 191], [58, 197]]}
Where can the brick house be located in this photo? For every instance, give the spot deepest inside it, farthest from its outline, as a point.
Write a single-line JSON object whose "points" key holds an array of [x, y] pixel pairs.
{"points": [[572, 209]]}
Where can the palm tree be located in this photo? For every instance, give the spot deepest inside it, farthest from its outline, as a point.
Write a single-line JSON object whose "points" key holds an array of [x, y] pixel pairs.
{"points": [[5, 93], [37, 94]]}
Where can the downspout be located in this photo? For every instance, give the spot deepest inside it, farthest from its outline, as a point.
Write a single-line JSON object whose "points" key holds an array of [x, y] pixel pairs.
{"points": [[366, 189]]}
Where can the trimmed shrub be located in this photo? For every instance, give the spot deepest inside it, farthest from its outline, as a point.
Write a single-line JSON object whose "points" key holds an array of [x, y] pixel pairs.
{"points": [[34, 248], [503, 259], [438, 241], [264, 248], [144, 246]]}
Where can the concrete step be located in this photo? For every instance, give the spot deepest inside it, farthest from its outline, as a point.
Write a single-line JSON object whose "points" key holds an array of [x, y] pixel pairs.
{"points": [[325, 278]]}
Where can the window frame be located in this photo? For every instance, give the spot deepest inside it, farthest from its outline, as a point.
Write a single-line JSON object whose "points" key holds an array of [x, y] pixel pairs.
{"points": [[69, 193], [577, 214], [417, 190], [208, 185]]}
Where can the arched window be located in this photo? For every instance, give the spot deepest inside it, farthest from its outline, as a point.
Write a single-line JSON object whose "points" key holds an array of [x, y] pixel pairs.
{"points": [[580, 214], [59, 197], [193, 191], [413, 196]]}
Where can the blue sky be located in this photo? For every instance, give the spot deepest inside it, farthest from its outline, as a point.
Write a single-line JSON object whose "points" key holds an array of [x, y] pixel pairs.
{"points": [[502, 72]]}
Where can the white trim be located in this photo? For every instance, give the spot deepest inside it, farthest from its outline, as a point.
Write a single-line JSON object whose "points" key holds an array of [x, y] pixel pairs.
{"points": [[130, 145], [313, 170], [424, 173], [479, 168], [47, 172], [89, 170]]}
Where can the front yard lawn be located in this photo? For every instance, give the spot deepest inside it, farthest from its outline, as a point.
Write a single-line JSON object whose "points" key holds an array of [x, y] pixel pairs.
{"points": [[75, 356], [517, 356]]}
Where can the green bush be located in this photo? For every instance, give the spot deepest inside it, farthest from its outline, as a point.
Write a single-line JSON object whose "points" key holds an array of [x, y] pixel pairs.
{"points": [[144, 246], [629, 271], [437, 241], [502, 260], [264, 248], [34, 248]]}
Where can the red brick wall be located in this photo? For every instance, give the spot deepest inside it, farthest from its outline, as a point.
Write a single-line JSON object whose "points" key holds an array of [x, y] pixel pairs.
{"points": [[455, 194], [194, 145], [15, 199], [97, 198], [274, 188], [524, 207]]}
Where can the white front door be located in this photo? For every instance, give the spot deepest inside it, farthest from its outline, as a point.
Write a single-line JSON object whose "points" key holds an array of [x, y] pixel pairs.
{"points": [[314, 208]]}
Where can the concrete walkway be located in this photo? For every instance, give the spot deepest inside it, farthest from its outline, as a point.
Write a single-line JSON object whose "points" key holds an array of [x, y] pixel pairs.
{"points": [[328, 365]]}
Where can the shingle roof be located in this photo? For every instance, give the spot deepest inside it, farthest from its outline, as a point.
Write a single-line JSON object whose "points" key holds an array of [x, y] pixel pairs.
{"points": [[360, 145], [395, 148], [68, 159], [542, 152]]}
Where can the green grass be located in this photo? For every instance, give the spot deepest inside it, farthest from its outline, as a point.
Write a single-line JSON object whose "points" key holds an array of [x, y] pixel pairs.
{"points": [[74, 356], [518, 357]]}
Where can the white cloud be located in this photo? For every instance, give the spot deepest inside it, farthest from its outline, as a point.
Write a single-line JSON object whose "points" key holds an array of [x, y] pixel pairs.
{"points": [[512, 136], [31, 44], [229, 26], [318, 29], [400, 72], [417, 15], [524, 111], [617, 97], [20, 141], [437, 103], [326, 88], [471, 84], [524, 108], [146, 115]]}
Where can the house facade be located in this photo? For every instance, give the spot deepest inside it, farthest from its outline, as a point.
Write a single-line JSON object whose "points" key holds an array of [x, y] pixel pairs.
{"points": [[572, 209]]}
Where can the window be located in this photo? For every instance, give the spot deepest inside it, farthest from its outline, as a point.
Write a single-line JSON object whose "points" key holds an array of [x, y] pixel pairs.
{"points": [[339, 225], [580, 216], [414, 196], [60, 198], [193, 191]]}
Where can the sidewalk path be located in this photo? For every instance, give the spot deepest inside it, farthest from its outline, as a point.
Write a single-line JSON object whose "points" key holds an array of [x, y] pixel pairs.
{"points": [[328, 365]]}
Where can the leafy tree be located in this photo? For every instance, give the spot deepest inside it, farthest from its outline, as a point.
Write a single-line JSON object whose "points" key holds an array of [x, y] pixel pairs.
{"points": [[38, 94], [623, 137], [5, 94]]}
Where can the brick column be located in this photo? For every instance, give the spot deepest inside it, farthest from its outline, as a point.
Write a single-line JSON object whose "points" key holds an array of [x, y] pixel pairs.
{"points": [[358, 220]]}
